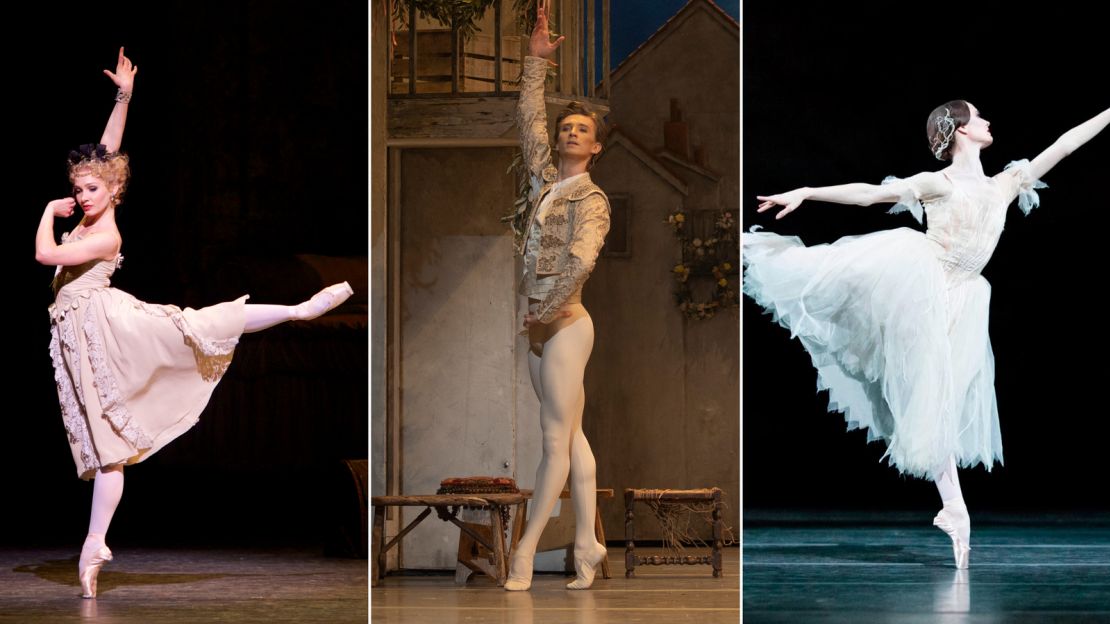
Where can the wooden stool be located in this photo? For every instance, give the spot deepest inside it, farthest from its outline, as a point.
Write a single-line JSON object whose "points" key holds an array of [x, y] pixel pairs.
{"points": [[631, 560], [441, 503], [521, 520]]}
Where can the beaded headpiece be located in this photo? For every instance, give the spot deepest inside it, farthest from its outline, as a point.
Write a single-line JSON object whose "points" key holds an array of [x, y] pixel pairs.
{"points": [[88, 151], [946, 127]]}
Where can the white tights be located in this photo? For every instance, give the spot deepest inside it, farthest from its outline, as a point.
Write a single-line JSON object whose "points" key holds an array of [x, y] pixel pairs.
{"points": [[107, 490], [259, 317], [263, 316], [557, 380], [948, 483], [953, 519]]}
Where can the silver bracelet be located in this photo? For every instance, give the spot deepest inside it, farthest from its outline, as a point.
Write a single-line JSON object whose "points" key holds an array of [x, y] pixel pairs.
{"points": [[122, 96]]}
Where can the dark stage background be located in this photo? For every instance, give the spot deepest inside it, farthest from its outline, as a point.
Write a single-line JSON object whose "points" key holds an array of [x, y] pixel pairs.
{"points": [[247, 135], [835, 95]]}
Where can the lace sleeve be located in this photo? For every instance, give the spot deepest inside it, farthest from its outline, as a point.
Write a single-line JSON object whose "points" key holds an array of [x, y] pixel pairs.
{"points": [[531, 122], [590, 227], [909, 200], [1023, 186]]}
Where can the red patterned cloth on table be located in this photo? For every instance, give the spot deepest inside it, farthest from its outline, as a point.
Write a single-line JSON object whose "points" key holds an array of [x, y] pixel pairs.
{"points": [[480, 485]]}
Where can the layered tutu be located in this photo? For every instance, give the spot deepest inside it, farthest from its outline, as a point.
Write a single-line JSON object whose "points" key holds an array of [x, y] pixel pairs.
{"points": [[899, 340]]}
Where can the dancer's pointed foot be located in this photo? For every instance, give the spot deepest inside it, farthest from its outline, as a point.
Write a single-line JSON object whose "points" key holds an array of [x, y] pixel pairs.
{"points": [[586, 563], [520, 572], [94, 554], [955, 521], [322, 301]]}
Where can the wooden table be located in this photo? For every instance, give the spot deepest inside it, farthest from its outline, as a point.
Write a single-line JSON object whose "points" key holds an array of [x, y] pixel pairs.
{"points": [[442, 504]]}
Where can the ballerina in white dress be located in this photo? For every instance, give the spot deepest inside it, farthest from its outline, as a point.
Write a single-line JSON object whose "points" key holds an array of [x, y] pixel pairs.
{"points": [[896, 321]]}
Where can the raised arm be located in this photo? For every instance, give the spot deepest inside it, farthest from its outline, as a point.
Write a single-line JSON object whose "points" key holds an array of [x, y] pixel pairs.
{"points": [[100, 245], [531, 115], [1068, 143], [124, 78], [926, 184]]}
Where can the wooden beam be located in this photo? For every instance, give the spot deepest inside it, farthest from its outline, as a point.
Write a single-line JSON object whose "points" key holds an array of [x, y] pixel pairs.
{"points": [[565, 51], [411, 526], [591, 48], [486, 117], [576, 62], [605, 70], [455, 46], [412, 48], [441, 501], [440, 143], [394, 425], [497, 46]]}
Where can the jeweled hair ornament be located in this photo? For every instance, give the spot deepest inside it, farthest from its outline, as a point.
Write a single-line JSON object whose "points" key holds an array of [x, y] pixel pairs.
{"points": [[946, 127], [89, 151]]}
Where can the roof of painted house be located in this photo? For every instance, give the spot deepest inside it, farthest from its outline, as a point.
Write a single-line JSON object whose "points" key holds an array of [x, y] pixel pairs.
{"points": [[644, 155], [672, 26]]}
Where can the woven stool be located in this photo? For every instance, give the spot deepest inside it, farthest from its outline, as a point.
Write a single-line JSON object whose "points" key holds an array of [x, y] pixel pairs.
{"points": [[631, 560]]}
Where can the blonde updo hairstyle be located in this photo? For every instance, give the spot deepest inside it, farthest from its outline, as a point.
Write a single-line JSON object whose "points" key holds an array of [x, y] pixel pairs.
{"points": [[111, 167]]}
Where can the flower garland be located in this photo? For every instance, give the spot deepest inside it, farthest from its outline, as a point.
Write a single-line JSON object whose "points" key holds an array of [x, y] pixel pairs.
{"points": [[705, 258]]}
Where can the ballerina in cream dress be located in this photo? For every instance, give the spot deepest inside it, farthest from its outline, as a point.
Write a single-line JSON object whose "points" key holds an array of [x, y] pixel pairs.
{"points": [[131, 376]]}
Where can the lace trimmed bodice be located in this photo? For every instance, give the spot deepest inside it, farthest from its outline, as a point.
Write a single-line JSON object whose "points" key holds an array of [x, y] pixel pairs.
{"points": [[967, 221], [73, 283], [967, 224]]}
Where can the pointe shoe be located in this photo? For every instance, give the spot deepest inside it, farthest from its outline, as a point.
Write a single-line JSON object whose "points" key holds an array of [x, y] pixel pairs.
{"points": [[520, 573], [89, 567], [323, 301], [954, 521], [585, 566]]}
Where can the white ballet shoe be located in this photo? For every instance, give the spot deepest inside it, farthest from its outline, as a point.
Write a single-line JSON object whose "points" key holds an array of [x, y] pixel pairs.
{"points": [[321, 302], [586, 564], [94, 554], [955, 521], [520, 573]]}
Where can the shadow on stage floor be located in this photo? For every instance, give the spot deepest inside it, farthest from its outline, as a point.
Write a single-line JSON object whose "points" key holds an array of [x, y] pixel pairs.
{"points": [[185, 585]]}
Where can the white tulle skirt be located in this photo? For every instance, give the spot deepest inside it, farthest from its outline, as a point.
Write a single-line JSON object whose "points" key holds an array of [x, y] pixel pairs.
{"points": [[900, 344]]}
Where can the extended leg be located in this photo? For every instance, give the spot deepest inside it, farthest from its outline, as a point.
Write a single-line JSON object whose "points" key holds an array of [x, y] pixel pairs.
{"points": [[259, 317]]}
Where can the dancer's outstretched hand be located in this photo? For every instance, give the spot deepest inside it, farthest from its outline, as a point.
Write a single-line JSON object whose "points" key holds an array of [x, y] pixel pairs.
{"points": [[790, 202], [541, 45], [124, 76]]}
